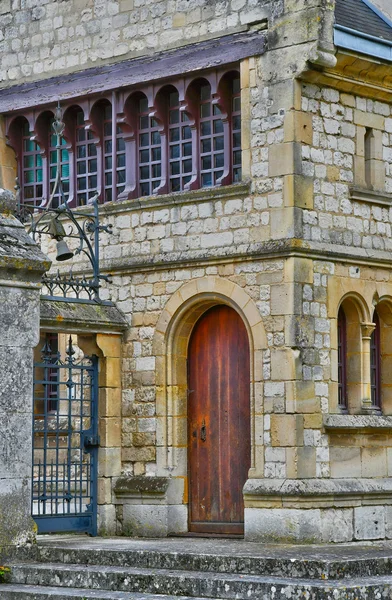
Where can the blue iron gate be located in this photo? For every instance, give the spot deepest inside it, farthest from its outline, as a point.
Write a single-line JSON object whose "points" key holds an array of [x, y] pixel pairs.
{"points": [[65, 441]]}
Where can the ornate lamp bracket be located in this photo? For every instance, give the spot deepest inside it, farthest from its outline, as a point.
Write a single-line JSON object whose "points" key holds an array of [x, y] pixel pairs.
{"points": [[60, 222]]}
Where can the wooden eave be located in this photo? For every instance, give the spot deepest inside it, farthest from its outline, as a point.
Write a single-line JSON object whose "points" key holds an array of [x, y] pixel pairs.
{"points": [[355, 74], [210, 54]]}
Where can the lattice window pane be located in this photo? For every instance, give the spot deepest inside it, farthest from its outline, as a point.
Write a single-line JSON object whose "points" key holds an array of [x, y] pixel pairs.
{"points": [[150, 168], [236, 130], [85, 150], [31, 167], [211, 139], [180, 168], [53, 162]]}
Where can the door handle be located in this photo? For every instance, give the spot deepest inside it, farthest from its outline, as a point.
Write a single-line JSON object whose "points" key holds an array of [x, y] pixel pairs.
{"points": [[203, 431]]}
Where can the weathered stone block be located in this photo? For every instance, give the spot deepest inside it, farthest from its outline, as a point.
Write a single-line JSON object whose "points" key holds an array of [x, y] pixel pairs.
{"points": [[369, 522]]}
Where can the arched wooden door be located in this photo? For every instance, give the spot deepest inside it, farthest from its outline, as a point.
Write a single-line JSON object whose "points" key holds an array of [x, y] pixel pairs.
{"points": [[219, 421]]}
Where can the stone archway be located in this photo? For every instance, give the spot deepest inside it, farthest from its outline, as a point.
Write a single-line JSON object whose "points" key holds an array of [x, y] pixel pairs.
{"points": [[171, 340]]}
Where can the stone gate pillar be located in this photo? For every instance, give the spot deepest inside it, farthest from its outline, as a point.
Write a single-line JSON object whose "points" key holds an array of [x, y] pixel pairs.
{"points": [[21, 267]]}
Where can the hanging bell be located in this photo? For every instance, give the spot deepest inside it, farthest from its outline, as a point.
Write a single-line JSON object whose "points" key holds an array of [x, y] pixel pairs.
{"points": [[63, 252]]}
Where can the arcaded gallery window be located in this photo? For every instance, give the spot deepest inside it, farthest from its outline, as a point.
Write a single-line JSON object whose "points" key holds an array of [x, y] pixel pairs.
{"points": [[145, 141]]}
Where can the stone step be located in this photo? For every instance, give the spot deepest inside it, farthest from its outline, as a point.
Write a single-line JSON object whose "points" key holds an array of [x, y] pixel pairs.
{"points": [[37, 592], [314, 563], [197, 584]]}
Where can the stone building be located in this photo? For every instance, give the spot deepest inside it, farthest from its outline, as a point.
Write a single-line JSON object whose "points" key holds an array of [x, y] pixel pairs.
{"points": [[242, 150]]}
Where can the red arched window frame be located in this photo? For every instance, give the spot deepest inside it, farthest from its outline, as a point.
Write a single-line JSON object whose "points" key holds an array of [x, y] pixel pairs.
{"points": [[136, 142], [29, 157], [375, 363], [342, 361]]}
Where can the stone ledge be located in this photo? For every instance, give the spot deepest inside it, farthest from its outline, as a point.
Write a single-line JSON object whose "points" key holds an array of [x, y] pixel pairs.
{"points": [[225, 192], [359, 423], [141, 487], [317, 493], [57, 315], [370, 196]]}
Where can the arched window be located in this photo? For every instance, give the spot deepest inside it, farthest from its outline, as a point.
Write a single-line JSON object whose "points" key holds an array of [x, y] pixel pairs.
{"points": [[180, 145], [211, 138], [64, 162], [149, 150], [375, 363], [30, 165], [86, 163], [342, 360]]}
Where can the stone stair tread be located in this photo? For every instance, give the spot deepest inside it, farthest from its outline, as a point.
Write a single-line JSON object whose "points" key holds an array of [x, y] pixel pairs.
{"points": [[202, 575], [47, 592]]}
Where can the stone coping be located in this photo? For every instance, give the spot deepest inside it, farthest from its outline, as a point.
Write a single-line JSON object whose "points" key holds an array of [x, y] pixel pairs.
{"points": [[18, 251], [360, 423], [57, 315]]}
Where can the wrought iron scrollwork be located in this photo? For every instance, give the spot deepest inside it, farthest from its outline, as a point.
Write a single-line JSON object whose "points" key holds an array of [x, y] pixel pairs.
{"points": [[62, 223]]}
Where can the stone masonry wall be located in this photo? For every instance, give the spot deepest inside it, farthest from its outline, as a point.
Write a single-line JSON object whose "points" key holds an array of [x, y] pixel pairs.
{"points": [[39, 38]]}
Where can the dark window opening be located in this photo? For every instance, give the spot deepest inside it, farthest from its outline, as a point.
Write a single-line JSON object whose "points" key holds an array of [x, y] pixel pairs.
{"points": [[342, 360], [375, 363]]}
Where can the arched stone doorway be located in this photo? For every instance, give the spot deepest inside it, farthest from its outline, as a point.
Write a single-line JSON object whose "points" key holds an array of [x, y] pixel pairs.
{"points": [[219, 421], [171, 343]]}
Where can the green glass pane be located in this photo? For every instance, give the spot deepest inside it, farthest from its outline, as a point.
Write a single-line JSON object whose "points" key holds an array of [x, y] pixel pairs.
{"points": [[108, 162], [156, 154], [53, 157], [143, 122], [53, 171], [28, 161], [236, 85], [237, 122], [205, 110], [92, 166], [39, 160], [218, 126], [175, 151], [121, 176], [173, 99], [216, 110], [175, 184], [108, 179], [92, 182], [144, 156], [174, 134], [39, 175], [92, 149], [81, 167], [107, 130], [29, 177], [205, 128], [81, 151], [64, 155], [187, 149], [205, 92], [236, 104], [206, 163], [120, 144], [155, 137], [175, 168], [174, 116], [121, 159], [143, 105], [144, 172], [65, 171]]}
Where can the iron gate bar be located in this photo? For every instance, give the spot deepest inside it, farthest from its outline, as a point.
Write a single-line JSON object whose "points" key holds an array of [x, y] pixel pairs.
{"points": [[65, 443]]}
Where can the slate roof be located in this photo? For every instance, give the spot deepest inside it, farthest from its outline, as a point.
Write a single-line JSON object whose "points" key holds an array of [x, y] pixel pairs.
{"points": [[355, 14]]}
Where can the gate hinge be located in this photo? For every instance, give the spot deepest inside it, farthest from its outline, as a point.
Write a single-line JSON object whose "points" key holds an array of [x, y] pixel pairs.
{"points": [[90, 441]]}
